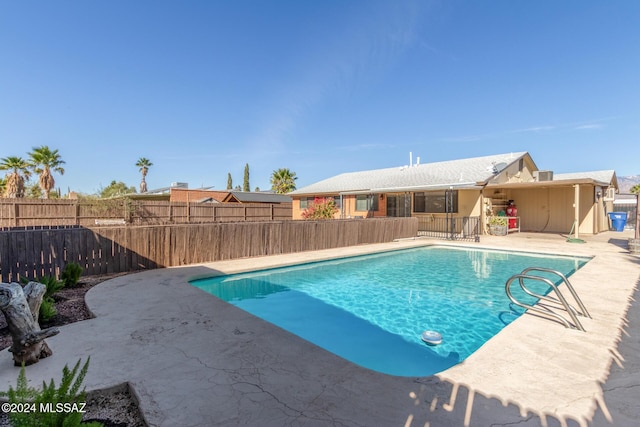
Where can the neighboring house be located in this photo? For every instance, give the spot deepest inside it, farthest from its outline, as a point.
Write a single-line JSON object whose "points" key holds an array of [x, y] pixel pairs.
{"points": [[475, 187], [197, 195], [213, 196], [257, 197], [179, 192], [158, 194]]}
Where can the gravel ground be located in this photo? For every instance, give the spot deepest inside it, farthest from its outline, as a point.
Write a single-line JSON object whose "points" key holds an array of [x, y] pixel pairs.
{"points": [[115, 407]]}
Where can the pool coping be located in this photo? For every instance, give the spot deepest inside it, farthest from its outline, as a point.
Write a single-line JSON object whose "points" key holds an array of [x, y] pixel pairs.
{"points": [[192, 359]]}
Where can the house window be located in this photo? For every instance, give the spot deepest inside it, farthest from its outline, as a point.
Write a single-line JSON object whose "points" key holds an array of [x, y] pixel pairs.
{"points": [[304, 202], [435, 202], [337, 201], [366, 202]]}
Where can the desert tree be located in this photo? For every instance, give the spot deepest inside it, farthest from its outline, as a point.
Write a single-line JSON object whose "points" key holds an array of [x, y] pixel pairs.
{"points": [[229, 182], [44, 162], [115, 189], [34, 191]]}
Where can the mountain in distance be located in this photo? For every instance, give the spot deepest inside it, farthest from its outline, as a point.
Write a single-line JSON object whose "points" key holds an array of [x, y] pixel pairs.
{"points": [[626, 182]]}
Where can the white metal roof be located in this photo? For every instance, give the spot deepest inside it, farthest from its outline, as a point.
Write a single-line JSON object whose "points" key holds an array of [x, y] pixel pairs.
{"points": [[605, 176], [260, 197], [462, 173]]}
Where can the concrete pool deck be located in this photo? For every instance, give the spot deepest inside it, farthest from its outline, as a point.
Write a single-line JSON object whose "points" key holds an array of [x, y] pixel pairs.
{"points": [[193, 360]]}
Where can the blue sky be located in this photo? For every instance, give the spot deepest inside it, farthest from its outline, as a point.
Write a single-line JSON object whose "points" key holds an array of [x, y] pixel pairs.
{"points": [[320, 87]]}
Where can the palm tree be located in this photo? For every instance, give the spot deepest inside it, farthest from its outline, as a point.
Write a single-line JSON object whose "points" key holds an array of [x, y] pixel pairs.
{"points": [[283, 181], [14, 182], [144, 164], [43, 161]]}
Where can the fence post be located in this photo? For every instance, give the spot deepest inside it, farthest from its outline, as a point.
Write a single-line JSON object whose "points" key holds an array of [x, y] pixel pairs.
{"points": [[272, 212], [15, 214]]}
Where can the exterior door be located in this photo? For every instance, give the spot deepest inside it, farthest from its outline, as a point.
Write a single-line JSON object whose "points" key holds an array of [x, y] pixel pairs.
{"points": [[398, 205]]}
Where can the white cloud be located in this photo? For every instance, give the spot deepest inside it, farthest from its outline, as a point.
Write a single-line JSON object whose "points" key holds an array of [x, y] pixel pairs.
{"points": [[533, 129], [590, 126], [359, 147]]}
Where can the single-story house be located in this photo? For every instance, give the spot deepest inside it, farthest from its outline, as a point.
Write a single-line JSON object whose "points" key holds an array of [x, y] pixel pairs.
{"points": [[479, 187]]}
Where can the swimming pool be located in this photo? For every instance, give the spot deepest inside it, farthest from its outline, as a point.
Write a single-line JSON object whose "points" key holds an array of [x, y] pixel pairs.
{"points": [[372, 309]]}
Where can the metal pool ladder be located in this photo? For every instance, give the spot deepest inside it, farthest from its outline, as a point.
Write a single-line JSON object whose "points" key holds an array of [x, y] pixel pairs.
{"points": [[558, 300]]}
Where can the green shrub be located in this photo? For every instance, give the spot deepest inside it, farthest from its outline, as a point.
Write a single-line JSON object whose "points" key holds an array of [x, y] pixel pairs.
{"points": [[53, 285], [71, 274], [47, 309], [65, 403]]}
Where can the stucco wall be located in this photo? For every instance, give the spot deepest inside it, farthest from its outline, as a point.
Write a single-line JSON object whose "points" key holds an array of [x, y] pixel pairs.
{"points": [[551, 210], [469, 203]]}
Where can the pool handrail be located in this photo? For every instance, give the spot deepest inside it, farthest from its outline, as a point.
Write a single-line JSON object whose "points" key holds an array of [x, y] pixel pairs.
{"points": [[583, 309], [572, 312]]}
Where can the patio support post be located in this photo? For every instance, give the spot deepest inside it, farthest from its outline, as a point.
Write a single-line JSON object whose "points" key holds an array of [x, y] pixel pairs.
{"points": [[637, 216], [576, 205]]}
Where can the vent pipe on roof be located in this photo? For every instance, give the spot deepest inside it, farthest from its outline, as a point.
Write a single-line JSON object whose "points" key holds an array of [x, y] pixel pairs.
{"points": [[410, 159], [417, 160]]}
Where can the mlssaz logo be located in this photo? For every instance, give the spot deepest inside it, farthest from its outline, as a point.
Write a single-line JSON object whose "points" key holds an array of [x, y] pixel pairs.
{"points": [[66, 407]]}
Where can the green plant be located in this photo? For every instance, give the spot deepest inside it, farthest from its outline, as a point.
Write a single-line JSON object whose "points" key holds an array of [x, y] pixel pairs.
{"points": [[47, 309], [144, 164], [53, 285], [498, 220], [43, 161], [71, 274], [52, 406], [283, 181], [245, 183]]}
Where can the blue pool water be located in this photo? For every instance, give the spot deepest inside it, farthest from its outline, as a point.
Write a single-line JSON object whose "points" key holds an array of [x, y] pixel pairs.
{"points": [[373, 309]]}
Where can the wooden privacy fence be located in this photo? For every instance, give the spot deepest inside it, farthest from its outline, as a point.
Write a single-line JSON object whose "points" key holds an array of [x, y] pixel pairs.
{"points": [[44, 252], [89, 213]]}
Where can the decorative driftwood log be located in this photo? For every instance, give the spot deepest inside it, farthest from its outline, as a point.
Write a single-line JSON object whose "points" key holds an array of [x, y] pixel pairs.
{"points": [[21, 307]]}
